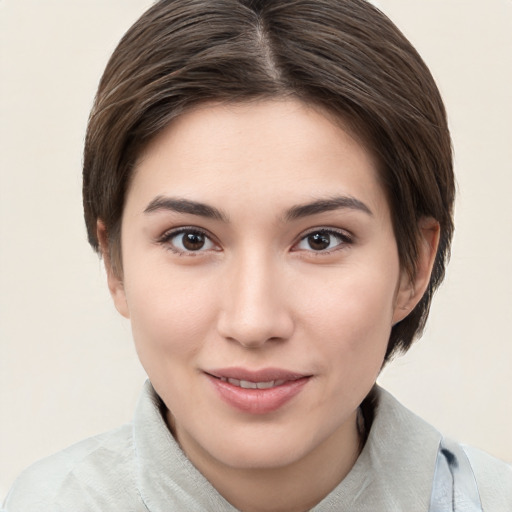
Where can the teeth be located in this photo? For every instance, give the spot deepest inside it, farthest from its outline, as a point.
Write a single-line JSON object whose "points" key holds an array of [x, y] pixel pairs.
{"points": [[248, 385], [245, 384], [266, 385]]}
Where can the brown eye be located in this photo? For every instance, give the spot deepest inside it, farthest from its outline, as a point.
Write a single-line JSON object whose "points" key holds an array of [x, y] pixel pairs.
{"points": [[324, 240], [193, 241], [319, 241], [185, 241]]}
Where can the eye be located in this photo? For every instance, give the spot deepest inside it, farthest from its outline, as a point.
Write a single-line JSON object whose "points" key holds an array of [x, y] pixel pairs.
{"points": [[323, 240], [188, 240]]}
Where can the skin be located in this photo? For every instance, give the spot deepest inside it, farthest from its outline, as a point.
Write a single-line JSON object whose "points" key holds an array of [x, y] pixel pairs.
{"points": [[259, 293]]}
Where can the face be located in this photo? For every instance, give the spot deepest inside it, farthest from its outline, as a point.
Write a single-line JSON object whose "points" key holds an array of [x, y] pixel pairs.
{"points": [[261, 278]]}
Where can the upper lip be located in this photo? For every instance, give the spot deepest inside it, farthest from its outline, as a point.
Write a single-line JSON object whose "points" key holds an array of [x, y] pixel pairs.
{"points": [[263, 375]]}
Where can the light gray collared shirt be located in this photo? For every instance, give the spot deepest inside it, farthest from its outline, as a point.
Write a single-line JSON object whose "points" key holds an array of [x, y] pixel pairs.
{"points": [[140, 467]]}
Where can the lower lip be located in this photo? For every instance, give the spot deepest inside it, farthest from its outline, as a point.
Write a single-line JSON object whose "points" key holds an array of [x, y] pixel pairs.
{"points": [[258, 401]]}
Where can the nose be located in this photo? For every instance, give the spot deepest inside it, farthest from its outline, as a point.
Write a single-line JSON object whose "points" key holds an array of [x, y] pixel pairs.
{"points": [[255, 304]]}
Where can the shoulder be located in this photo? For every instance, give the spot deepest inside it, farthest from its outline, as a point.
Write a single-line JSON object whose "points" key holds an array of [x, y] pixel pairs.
{"points": [[411, 445], [84, 477], [494, 479]]}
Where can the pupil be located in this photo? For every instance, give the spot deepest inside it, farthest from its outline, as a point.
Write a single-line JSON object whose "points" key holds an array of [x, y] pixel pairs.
{"points": [[193, 241], [319, 241]]}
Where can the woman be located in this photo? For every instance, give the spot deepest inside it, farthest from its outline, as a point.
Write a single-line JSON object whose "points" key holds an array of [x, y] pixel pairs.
{"points": [[270, 185]]}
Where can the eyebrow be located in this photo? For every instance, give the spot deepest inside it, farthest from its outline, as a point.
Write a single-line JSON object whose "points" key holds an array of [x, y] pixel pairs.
{"points": [[185, 206], [326, 205], [296, 212]]}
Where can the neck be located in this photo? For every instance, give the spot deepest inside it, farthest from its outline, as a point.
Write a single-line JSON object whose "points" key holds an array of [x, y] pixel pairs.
{"points": [[293, 488]]}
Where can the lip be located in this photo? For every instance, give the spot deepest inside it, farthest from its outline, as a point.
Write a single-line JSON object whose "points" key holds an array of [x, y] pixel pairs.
{"points": [[257, 401]]}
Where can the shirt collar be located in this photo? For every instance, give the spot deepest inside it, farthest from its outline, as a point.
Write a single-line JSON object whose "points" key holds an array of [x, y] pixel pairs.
{"points": [[165, 477], [396, 465]]}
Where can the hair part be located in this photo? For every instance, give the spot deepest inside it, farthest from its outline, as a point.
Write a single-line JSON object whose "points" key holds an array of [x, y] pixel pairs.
{"points": [[342, 55]]}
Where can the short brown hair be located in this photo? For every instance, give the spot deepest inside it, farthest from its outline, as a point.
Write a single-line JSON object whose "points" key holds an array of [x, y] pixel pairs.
{"points": [[343, 55]]}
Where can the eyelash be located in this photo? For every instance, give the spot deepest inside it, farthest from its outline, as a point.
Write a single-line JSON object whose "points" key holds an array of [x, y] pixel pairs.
{"points": [[167, 237], [344, 240]]}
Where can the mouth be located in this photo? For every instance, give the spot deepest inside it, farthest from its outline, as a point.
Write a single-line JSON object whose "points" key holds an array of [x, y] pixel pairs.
{"points": [[257, 392], [246, 384]]}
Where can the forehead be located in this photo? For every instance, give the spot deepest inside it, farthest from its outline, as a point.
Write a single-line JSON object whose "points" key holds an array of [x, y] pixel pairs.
{"points": [[275, 152]]}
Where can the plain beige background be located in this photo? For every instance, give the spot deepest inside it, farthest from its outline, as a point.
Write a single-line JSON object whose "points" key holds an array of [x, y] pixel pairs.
{"points": [[67, 366]]}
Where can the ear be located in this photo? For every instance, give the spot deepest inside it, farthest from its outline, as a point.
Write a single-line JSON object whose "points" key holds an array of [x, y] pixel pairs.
{"points": [[114, 280], [410, 291]]}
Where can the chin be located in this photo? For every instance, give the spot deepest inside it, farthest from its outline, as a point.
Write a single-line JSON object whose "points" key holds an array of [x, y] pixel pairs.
{"points": [[263, 455], [265, 446]]}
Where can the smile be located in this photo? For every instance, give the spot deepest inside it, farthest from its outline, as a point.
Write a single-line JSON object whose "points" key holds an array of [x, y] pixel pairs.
{"points": [[257, 392], [253, 385]]}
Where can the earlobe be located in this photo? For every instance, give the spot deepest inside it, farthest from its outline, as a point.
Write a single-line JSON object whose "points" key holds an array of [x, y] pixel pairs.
{"points": [[411, 290], [115, 282]]}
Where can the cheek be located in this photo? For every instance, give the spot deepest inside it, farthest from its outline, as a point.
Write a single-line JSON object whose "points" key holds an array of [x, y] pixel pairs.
{"points": [[352, 334], [349, 321], [170, 313], [358, 300]]}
